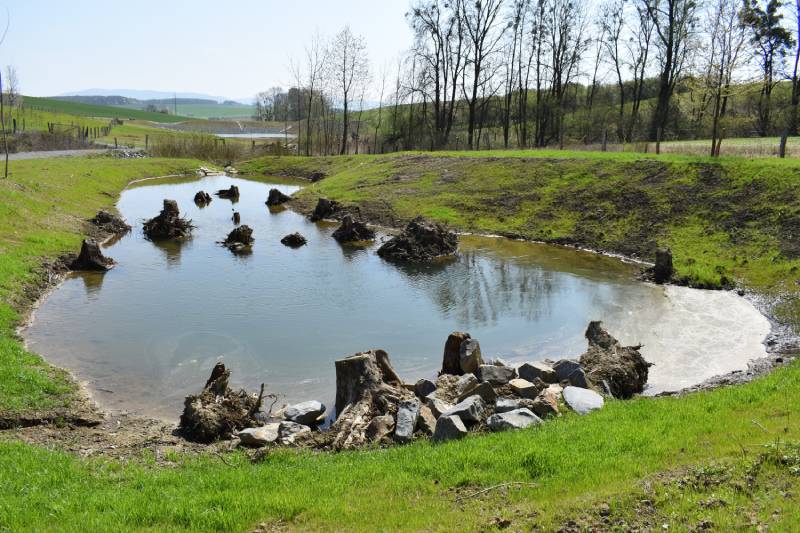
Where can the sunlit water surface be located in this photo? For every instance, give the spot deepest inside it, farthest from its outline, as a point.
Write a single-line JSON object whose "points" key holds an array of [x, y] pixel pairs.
{"points": [[148, 332]]}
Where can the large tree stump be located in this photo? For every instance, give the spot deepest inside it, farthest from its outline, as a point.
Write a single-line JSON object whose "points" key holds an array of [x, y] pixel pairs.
{"points": [[91, 258], [451, 360], [366, 387]]}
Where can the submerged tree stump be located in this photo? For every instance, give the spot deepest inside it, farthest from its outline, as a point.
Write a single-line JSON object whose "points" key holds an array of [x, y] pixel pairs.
{"points": [[367, 387], [168, 224]]}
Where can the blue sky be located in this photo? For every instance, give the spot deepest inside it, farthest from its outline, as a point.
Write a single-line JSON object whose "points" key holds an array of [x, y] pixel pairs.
{"points": [[231, 48]]}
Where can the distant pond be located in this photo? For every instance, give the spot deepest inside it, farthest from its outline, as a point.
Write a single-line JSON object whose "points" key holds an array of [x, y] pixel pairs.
{"points": [[148, 332]]}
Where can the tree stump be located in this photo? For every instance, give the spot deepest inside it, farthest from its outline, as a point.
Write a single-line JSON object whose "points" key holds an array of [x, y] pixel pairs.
{"points": [[91, 258], [451, 360]]}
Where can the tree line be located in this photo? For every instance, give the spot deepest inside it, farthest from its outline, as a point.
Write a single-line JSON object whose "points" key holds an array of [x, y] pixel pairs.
{"points": [[542, 73]]}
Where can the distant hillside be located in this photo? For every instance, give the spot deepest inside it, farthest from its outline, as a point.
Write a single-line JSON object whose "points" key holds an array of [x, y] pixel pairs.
{"points": [[94, 110], [118, 100]]}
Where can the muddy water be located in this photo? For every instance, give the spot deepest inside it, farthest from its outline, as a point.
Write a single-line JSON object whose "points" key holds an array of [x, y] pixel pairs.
{"points": [[148, 332]]}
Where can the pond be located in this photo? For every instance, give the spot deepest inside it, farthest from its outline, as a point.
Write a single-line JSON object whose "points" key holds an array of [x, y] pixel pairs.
{"points": [[148, 332]]}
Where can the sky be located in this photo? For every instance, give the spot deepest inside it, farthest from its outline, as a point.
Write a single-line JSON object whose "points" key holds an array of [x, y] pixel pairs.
{"points": [[232, 48]]}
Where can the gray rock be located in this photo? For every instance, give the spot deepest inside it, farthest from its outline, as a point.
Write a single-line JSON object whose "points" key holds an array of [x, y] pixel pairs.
{"points": [[531, 371], [260, 436], [449, 428], [465, 383], [564, 368], [516, 419], [424, 387], [288, 431], [407, 414], [379, 427], [305, 413], [496, 375], [503, 405], [470, 410], [582, 400], [426, 422], [484, 390], [436, 405], [546, 404], [525, 388], [470, 356], [578, 379]]}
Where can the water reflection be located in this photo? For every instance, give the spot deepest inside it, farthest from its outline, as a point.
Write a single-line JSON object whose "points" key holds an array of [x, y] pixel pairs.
{"points": [[171, 249]]}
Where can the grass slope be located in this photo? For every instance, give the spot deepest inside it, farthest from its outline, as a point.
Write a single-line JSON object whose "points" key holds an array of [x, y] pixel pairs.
{"points": [[726, 220], [726, 459], [42, 213], [93, 110]]}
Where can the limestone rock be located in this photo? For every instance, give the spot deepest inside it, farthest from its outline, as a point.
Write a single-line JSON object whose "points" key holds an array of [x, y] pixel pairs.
{"points": [[484, 390], [379, 428], [436, 405], [451, 360], [449, 428], [471, 410], [516, 419], [470, 356], [289, 431], [570, 371], [420, 241], [426, 422], [353, 231], [260, 436], [407, 415], [525, 388], [582, 400], [531, 371], [496, 375], [424, 387], [545, 404], [305, 413], [465, 383], [503, 405]]}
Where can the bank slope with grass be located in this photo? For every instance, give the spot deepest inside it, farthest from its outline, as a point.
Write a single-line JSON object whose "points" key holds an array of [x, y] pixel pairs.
{"points": [[726, 459], [727, 221]]}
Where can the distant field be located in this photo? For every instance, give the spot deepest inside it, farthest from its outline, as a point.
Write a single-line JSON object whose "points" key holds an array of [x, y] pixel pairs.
{"points": [[90, 110], [212, 111]]}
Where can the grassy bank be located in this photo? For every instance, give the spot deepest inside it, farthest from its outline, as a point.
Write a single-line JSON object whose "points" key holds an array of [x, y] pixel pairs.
{"points": [[727, 221], [42, 214], [725, 459]]}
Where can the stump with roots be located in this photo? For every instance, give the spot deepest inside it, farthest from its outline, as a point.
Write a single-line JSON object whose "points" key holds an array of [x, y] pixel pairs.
{"points": [[217, 412], [202, 198], [276, 197], [168, 224], [621, 370], [367, 387], [91, 258], [231, 193]]}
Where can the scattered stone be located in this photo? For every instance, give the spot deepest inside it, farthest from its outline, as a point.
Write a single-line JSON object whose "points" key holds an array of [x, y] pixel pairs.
{"points": [[470, 410], [570, 371], [353, 231], [202, 198], [420, 241], [525, 388], [531, 371], [294, 240], [582, 400], [168, 224], [470, 356], [545, 404], [484, 390], [325, 209], [424, 387], [451, 360], [110, 223], [218, 412], [230, 170], [436, 405], [379, 428], [204, 171], [91, 258], [231, 193], [503, 405], [621, 369], [306, 413], [276, 197], [496, 375], [240, 240], [426, 422], [449, 428], [497, 361], [516, 419], [465, 383], [407, 415], [260, 436], [289, 431]]}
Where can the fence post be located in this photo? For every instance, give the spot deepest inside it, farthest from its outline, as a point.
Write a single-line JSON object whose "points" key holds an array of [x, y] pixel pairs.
{"points": [[719, 142], [658, 141], [782, 147], [146, 141], [115, 143], [605, 140]]}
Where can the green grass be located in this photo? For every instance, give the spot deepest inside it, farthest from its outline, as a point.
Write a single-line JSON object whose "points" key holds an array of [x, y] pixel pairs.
{"points": [[45, 203], [93, 110]]}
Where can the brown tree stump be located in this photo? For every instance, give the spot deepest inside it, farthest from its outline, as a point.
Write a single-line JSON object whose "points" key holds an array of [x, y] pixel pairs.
{"points": [[92, 258]]}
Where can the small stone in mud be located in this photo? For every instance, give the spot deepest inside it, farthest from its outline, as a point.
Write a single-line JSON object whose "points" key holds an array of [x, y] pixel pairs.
{"points": [[91, 258], [231, 193], [294, 240], [276, 197], [202, 198], [353, 231]]}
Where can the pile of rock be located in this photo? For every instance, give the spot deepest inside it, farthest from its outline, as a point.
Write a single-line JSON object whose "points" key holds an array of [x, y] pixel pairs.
{"points": [[353, 231], [240, 240], [168, 224], [276, 197], [420, 241], [110, 223]]}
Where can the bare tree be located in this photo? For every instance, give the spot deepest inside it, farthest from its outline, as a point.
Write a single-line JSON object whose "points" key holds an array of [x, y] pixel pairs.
{"points": [[349, 71], [315, 55], [612, 19], [12, 86], [795, 102]]}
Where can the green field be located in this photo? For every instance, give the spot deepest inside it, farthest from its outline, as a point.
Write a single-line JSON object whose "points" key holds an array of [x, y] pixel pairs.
{"points": [[728, 460], [210, 111], [91, 110]]}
